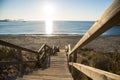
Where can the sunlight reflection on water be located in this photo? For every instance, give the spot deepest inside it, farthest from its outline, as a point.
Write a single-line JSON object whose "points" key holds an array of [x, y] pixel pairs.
{"points": [[49, 26]]}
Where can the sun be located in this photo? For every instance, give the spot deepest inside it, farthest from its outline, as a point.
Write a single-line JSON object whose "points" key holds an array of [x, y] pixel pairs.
{"points": [[48, 10], [48, 13]]}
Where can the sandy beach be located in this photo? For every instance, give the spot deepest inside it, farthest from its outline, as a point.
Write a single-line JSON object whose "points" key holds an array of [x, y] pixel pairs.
{"points": [[34, 42]]}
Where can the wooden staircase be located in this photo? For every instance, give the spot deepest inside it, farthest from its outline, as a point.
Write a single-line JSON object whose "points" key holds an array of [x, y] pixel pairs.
{"points": [[58, 70]]}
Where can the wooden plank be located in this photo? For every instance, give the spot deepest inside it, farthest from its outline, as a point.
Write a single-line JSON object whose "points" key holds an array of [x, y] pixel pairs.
{"points": [[95, 74], [41, 56], [21, 64], [110, 18], [31, 61], [4, 43], [44, 45], [41, 48], [8, 63], [57, 71], [13, 63]]}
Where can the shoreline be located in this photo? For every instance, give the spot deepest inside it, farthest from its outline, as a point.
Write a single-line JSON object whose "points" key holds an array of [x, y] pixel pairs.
{"points": [[40, 35], [49, 35]]}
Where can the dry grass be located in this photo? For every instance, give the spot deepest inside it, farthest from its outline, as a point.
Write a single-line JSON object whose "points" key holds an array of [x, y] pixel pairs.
{"points": [[12, 71], [105, 61]]}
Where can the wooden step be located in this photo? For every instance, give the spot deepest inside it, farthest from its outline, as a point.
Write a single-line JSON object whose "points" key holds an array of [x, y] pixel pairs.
{"points": [[58, 70]]}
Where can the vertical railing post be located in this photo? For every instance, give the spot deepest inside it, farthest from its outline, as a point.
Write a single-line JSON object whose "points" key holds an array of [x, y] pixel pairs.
{"points": [[69, 48], [41, 59], [71, 68], [38, 60], [49, 57], [72, 58], [69, 58], [44, 57], [20, 63], [45, 65]]}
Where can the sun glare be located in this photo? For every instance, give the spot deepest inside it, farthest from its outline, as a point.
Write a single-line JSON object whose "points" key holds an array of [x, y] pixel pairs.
{"points": [[48, 12], [49, 26]]}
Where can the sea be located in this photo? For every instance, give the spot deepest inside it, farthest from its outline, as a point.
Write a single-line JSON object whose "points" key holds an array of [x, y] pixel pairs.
{"points": [[58, 28]]}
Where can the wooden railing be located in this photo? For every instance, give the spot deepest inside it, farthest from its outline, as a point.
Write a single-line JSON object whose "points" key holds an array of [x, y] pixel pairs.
{"points": [[42, 55], [110, 18], [94, 73]]}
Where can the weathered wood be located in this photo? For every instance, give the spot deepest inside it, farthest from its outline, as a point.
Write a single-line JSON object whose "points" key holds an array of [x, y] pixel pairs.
{"points": [[42, 53], [47, 56], [95, 74], [48, 47], [110, 18], [31, 61], [38, 60], [21, 64], [69, 48], [8, 63], [13, 62], [58, 70], [41, 48], [4, 43]]}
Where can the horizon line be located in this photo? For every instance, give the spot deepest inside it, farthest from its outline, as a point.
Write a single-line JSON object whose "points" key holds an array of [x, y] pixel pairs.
{"points": [[44, 20]]}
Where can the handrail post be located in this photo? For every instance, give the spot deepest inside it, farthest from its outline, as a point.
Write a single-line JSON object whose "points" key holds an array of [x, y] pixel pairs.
{"points": [[72, 58], [45, 65], [38, 60], [69, 57], [42, 55], [20, 63], [49, 57]]}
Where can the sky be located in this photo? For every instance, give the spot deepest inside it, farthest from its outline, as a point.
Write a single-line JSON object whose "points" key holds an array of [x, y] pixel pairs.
{"points": [[85, 10]]}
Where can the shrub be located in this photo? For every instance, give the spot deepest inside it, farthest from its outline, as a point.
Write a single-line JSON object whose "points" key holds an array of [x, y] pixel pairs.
{"points": [[8, 54]]}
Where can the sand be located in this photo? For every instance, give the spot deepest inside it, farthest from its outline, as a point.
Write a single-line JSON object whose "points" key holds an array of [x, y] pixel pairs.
{"points": [[34, 42]]}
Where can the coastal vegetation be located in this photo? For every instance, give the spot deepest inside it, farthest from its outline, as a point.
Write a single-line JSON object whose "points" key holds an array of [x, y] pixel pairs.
{"points": [[10, 55], [107, 61]]}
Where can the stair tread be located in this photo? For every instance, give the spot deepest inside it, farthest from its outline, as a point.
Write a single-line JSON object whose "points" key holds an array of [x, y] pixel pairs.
{"points": [[58, 70]]}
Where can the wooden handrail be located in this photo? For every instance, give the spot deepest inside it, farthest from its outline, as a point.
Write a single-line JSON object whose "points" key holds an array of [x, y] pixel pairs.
{"points": [[13, 62], [110, 18], [4, 43], [8, 63], [41, 48], [44, 45], [42, 51], [94, 73]]}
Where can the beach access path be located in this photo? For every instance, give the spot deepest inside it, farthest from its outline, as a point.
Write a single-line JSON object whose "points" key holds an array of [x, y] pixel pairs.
{"points": [[58, 70]]}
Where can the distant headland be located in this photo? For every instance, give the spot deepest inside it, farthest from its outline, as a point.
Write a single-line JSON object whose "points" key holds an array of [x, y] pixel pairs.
{"points": [[5, 20], [9, 20]]}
